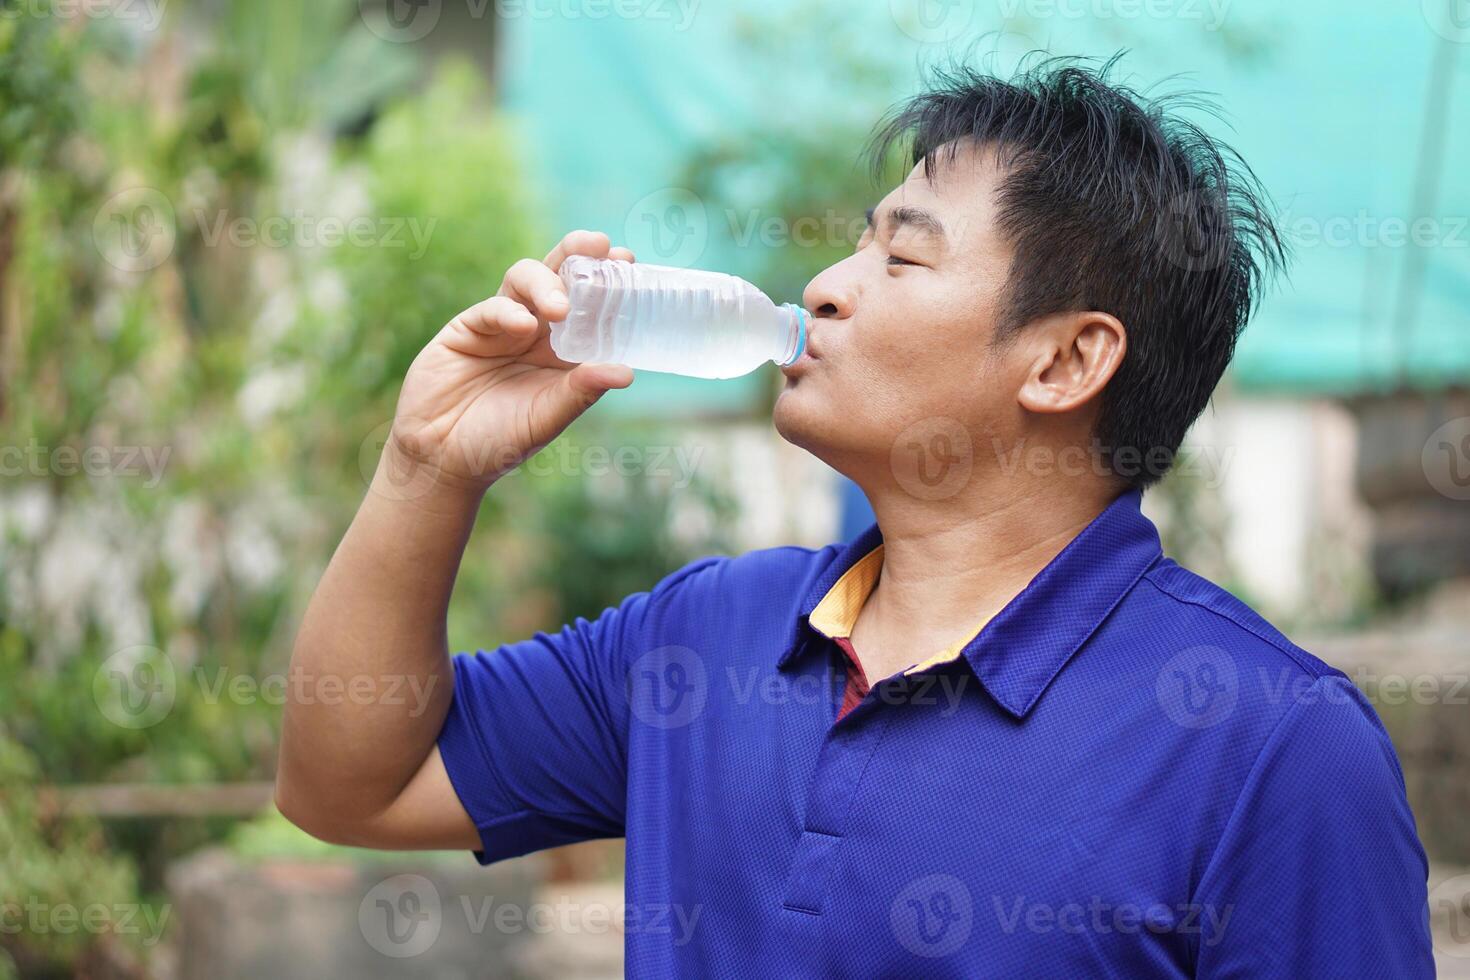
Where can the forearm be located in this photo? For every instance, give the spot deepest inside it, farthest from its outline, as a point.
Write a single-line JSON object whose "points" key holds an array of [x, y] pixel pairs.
{"points": [[370, 683], [370, 679]]}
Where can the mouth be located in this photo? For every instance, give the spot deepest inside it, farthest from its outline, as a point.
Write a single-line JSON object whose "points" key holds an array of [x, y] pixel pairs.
{"points": [[809, 355], [799, 366]]}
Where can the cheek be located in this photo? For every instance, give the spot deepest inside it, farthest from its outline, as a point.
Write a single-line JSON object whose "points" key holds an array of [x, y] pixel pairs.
{"points": [[926, 361]]}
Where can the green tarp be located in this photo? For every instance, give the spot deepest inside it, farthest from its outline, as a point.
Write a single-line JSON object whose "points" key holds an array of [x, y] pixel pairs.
{"points": [[1356, 116]]}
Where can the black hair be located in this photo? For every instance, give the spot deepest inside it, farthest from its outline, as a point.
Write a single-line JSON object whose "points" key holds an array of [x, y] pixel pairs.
{"points": [[1111, 202]]}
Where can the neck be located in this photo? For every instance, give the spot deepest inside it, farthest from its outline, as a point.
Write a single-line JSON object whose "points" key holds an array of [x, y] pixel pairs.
{"points": [[951, 564]]}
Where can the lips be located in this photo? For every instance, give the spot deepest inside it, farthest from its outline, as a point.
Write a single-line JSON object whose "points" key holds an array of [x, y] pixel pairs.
{"points": [[808, 355], [811, 346]]}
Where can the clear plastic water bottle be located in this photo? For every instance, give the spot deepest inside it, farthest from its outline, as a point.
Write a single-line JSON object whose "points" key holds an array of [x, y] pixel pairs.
{"points": [[684, 321]]}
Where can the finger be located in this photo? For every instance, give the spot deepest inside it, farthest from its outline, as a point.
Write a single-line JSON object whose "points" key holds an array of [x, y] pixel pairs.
{"points": [[619, 252], [573, 393], [533, 284], [498, 325], [592, 380], [498, 315], [580, 242]]}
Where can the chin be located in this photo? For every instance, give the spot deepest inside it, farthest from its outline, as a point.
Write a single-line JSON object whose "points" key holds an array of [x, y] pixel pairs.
{"points": [[791, 417], [804, 419]]}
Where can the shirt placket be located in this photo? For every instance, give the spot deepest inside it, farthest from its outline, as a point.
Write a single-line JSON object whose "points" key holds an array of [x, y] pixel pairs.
{"points": [[847, 749]]}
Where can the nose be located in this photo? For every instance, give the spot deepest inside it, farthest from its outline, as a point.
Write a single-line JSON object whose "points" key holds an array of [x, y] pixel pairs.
{"points": [[832, 293]]}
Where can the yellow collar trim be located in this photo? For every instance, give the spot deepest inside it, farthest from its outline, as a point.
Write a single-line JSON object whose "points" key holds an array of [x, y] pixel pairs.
{"points": [[837, 613]]}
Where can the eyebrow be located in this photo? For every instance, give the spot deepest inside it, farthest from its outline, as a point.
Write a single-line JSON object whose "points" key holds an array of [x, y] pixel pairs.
{"points": [[911, 216]]}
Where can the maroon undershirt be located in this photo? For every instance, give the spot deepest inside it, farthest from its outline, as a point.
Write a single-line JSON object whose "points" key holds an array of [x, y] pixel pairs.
{"points": [[856, 686]]}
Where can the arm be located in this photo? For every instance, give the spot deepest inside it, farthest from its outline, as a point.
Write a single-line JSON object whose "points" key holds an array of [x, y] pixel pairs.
{"points": [[360, 766], [1319, 872]]}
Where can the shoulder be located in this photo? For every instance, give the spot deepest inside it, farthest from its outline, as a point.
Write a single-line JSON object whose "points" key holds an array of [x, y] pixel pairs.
{"points": [[1198, 608], [1297, 705]]}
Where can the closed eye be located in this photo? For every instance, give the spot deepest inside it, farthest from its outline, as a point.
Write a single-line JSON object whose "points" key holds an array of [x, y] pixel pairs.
{"points": [[897, 260]]}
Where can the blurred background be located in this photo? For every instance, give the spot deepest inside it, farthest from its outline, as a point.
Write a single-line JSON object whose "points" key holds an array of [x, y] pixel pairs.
{"points": [[226, 227]]}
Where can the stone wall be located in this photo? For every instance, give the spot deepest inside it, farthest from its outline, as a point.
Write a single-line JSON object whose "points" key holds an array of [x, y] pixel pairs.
{"points": [[397, 918], [1416, 671]]}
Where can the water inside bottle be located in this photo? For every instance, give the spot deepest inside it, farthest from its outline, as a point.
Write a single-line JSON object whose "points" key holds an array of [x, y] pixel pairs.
{"points": [[682, 321]]}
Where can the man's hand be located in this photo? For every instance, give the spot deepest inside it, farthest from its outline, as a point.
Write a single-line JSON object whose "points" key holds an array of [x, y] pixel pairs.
{"points": [[488, 391]]}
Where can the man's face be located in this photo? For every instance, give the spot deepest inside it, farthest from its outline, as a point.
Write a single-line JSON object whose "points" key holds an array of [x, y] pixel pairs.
{"points": [[901, 339]]}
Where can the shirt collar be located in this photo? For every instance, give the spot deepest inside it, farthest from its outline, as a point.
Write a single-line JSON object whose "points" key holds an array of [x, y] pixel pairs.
{"points": [[1026, 644]]}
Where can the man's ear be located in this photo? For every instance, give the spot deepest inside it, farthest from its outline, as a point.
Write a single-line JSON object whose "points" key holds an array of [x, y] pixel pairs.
{"points": [[1072, 357]]}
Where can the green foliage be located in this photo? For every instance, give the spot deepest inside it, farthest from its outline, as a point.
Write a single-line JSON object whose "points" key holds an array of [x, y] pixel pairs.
{"points": [[602, 540], [270, 836], [799, 165], [37, 60], [48, 869], [440, 179], [260, 376]]}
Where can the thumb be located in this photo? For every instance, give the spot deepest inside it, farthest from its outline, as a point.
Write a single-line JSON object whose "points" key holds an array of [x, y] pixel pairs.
{"points": [[588, 382], [579, 389]]}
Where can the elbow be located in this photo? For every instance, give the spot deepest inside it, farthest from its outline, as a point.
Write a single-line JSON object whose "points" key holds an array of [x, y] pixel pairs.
{"points": [[305, 814], [289, 805], [319, 819]]}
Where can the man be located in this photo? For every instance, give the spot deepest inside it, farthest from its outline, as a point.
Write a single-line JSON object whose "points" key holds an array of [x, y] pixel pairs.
{"points": [[997, 735]]}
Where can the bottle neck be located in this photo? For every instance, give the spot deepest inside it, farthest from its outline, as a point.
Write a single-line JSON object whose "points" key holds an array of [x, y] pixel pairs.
{"points": [[795, 333]]}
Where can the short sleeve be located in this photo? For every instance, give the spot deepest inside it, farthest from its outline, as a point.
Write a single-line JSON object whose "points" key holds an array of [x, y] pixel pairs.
{"points": [[1319, 872], [535, 743]]}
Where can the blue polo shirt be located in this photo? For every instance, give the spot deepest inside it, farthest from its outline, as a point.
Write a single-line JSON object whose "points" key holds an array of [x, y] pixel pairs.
{"points": [[1125, 773]]}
